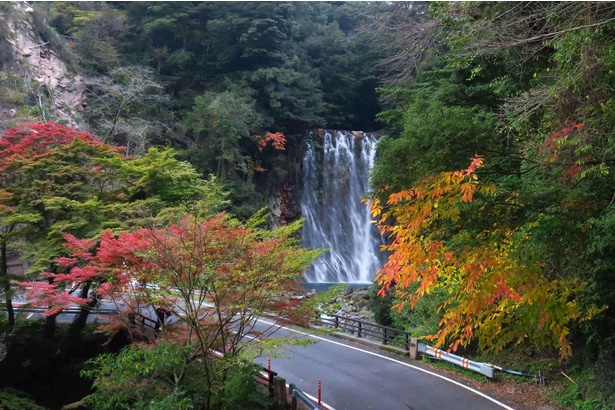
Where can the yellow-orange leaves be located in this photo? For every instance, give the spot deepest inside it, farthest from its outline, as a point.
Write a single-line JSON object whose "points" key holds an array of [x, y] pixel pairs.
{"points": [[497, 293]]}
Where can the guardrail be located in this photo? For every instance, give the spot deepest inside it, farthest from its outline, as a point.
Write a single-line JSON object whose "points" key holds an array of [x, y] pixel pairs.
{"points": [[392, 336], [486, 369], [68, 311], [481, 368], [388, 335], [299, 397]]}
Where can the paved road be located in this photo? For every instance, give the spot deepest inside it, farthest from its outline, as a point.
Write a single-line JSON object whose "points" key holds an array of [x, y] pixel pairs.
{"points": [[357, 378]]}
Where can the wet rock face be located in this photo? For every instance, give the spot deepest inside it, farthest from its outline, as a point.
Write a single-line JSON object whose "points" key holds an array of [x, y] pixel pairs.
{"points": [[37, 61], [282, 207]]}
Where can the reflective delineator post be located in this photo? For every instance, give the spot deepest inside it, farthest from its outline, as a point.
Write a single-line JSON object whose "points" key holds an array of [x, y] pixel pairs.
{"points": [[319, 391], [269, 363], [228, 345]]}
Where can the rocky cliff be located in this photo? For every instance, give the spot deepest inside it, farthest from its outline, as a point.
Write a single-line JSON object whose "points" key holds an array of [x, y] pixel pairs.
{"points": [[36, 83]]}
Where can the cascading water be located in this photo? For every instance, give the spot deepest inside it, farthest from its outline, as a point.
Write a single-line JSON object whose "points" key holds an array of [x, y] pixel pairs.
{"points": [[335, 217]]}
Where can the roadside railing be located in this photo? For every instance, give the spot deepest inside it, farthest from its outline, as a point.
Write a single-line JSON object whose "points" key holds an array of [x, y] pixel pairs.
{"points": [[68, 311], [396, 337], [481, 368], [388, 335], [486, 369], [363, 329], [277, 390], [299, 398]]}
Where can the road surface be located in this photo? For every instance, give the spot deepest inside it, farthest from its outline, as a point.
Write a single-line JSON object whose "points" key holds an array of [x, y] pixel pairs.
{"points": [[358, 378]]}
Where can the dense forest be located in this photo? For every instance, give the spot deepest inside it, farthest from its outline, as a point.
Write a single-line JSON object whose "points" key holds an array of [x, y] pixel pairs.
{"points": [[493, 182], [207, 77]]}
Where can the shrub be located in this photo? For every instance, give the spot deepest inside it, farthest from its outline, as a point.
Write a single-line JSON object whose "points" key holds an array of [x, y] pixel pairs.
{"points": [[380, 306], [12, 399]]}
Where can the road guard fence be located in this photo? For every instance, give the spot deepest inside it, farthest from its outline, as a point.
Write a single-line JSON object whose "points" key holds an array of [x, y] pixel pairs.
{"points": [[481, 368], [486, 369], [387, 335], [391, 336], [67, 311], [298, 398]]}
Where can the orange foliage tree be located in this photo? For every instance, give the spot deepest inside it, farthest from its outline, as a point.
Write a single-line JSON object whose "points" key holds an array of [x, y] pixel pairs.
{"points": [[497, 292]]}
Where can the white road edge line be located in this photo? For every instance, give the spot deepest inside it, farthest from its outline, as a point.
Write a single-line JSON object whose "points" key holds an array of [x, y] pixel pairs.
{"points": [[395, 361]]}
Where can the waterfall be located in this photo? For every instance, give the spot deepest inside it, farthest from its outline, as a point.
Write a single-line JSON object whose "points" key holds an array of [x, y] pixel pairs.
{"points": [[335, 181]]}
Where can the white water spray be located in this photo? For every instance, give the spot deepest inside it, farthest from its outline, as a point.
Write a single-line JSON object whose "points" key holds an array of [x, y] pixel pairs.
{"points": [[335, 217]]}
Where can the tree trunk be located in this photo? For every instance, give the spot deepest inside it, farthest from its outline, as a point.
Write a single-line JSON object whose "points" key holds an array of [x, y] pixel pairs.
{"points": [[50, 321], [80, 321], [50, 326], [4, 277]]}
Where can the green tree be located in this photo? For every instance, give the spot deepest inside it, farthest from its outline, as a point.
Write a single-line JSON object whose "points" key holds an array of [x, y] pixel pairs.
{"points": [[56, 180], [94, 28], [220, 121]]}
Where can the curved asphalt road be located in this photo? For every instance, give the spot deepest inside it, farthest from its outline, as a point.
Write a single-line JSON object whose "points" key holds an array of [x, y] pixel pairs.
{"points": [[357, 378]]}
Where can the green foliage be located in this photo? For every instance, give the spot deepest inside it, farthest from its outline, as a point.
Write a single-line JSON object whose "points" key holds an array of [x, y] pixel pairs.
{"points": [[289, 57], [241, 391], [158, 377], [422, 320], [439, 124], [220, 121], [94, 29], [229, 72], [380, 306], [544, 128], [57, 42], [293, 98], [162, 176], [165, 376], [11, 399], [592, 389]]}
